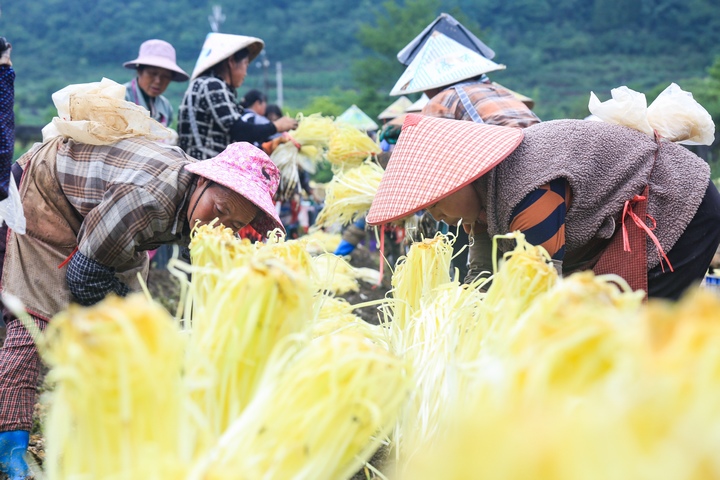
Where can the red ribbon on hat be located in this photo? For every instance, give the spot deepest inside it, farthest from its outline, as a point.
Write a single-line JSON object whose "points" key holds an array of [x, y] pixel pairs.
{"points": [[628, 210]]}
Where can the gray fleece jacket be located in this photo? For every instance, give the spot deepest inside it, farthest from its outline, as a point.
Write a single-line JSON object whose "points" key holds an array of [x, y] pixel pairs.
{"points": [[605, 165]]}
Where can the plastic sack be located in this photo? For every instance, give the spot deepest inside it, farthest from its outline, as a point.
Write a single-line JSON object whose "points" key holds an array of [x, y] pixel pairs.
{"points": [[678, 117], [627, 107], [98, 114], [11, 209]]}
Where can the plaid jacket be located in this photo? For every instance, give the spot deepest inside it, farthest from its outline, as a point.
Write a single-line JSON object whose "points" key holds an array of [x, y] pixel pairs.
{"points": [[495, 104], [132, 196], [215, 109]]}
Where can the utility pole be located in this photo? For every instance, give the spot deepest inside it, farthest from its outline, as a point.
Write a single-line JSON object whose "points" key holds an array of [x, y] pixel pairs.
{"points": [[279, 83], [264, 63], [216, 19]]}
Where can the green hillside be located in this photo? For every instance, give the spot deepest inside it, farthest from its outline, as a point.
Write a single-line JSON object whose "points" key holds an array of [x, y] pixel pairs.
{"points": [[556, 51]]}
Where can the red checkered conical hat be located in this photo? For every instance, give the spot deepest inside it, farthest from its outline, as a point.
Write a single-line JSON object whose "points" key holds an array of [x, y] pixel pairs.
{"points": [[435, 157]]}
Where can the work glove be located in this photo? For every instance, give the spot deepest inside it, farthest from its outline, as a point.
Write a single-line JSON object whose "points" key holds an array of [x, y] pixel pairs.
{"points": [[345, 248]]}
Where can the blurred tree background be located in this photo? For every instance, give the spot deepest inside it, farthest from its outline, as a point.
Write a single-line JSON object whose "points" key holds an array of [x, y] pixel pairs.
{"points": [[338, 52]]}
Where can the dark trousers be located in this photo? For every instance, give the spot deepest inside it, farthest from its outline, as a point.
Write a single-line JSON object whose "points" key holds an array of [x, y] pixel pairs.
{"points": [[692, 253]]}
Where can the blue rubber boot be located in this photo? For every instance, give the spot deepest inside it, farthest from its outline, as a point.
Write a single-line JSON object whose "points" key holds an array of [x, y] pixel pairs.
{"points": [[13, 446]]}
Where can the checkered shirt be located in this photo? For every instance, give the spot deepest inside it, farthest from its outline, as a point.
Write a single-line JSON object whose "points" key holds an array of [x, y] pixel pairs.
{"points": [[216, 109], [19, 375], [132, 196], [495, 104]]}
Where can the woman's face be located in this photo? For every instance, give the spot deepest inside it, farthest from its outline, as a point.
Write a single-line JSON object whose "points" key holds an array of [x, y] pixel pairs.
{"points": [[154, 80], [238, 71], [232, 209], [259, 107], [463, 205]]}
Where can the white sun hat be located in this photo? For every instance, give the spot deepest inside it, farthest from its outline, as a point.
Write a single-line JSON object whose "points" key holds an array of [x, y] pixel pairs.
{"points": [[158, 53], [441, 62], [357, 118], [220, 46], [397, 108], [418, 105]]}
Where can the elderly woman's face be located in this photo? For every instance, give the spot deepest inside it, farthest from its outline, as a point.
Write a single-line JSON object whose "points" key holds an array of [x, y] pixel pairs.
{"points": [[154, 80], [232, 209], [465, 205]]}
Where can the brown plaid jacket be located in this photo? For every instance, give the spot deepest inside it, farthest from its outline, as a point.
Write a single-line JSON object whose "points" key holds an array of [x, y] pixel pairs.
{"points": [[495, 104], [132, 196]]}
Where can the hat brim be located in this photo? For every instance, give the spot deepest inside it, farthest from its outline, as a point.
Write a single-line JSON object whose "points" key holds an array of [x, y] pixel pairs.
{"points": [[435, 157], [442, 62], [220, 46], [179, 74], [267, 220]]}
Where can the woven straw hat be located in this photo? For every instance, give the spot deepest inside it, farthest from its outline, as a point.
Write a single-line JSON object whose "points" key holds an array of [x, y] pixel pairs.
{"points": [[441, 62], [220, 46], [435, 157], [247, 170], [397, 108], [158, 53]]}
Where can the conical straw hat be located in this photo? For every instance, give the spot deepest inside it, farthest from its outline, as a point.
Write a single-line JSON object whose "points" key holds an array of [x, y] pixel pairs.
{"points": [[442, 62], [451, 28], [357, 118], [418, 105], [220, 46], [398, 107], [435, 157]]}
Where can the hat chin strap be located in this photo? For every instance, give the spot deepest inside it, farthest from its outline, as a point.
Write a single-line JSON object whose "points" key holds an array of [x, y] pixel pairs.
{"points": [[210, 182]]}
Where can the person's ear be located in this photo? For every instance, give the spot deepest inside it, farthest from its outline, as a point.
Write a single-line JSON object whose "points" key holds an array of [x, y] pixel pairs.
{"points": [[201, 181]]}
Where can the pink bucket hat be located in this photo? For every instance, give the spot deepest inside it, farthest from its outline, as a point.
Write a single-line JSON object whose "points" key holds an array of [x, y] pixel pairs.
{"points": [[435, 157], [247, 170], [158, 53]]}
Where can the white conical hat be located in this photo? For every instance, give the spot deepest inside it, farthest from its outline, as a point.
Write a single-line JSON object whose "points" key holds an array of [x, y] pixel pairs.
{"points": [[418, 105], [220, 46], [441, 62], [357, 118], [397, 108]]}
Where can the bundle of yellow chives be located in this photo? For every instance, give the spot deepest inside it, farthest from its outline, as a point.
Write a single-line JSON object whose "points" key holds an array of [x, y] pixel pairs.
{"points": [[426, 266], [349, 194], [579, 335], [293, 252], [236, 326], [319, 241], [320, 412], [314, 130], [526, 274], [440, 340], [117, 398], [334, 315], [289, 159], [349, 147], [334, 274]]}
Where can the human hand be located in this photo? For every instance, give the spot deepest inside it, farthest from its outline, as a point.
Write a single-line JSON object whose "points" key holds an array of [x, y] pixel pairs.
{"points": [[284, 124], [6, 49]]}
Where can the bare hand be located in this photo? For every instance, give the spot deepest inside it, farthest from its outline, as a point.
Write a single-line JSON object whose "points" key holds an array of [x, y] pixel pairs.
{"points": [[5, 57], [284, 124]]}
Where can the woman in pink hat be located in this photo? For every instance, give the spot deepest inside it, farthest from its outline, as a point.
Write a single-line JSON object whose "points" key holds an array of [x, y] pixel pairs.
{"points": [[156, 68], [596, 196], [93, 212]]}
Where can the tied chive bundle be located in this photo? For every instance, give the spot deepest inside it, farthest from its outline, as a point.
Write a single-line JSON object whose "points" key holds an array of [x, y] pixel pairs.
{"points": [[117, 397], [319, 414], [349, 194]]}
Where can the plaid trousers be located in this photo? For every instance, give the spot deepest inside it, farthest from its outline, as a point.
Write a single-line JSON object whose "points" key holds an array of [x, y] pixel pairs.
{"points": [[19, 374]]}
